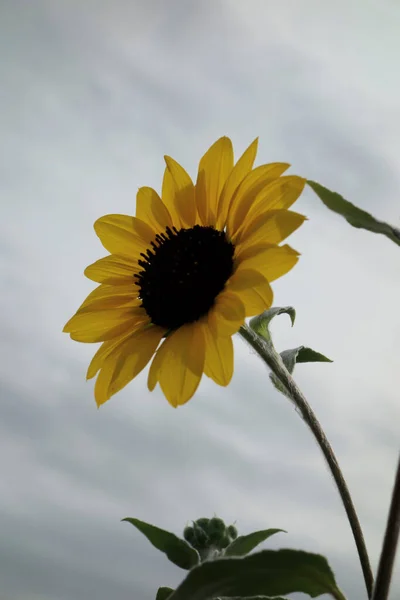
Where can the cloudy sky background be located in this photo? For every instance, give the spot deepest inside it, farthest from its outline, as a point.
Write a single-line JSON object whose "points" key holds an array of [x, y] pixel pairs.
{"points": [[93, 94]]}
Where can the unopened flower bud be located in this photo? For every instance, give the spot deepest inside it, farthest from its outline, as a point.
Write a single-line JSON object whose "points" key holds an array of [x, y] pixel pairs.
{"points": [[200, 536], [232, 532], [203, 523], [216, 530], [189, 535]]}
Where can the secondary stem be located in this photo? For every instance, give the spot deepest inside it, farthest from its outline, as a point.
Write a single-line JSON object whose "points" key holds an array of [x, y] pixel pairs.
{"points": [[386, 562], [267, 352]]}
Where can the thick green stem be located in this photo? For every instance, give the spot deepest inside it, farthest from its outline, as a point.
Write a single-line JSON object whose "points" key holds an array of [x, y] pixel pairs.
{"points": [[270, 356]]}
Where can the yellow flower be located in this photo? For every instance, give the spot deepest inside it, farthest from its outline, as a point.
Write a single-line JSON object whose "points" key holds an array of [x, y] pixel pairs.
{"points": [[186, 272]]}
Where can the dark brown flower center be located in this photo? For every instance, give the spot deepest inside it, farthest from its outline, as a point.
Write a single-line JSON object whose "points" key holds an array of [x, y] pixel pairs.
{"points": [[183, 273]]}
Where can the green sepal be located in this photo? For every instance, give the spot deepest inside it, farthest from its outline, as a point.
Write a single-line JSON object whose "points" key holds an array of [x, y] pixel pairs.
{"points": [[260, 323], [177, 550], [354, 216], [164, 592], [246, 543]]}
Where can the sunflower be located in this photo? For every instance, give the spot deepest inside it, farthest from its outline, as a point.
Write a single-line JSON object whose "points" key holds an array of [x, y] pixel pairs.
{"points": [[181, 277]]}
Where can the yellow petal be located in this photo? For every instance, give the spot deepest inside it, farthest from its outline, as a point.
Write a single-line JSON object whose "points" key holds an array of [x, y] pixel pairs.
{"points": [[279, 194], [126, 361], [168, 198], [272, 227], [227, 315], [272, 262], [214, 169], [107, 347], [256, 297], [247, 192], [124, 235], [219, 357], [245, 252], [257, 300], [112, 270], [184, 192], [152, 378], [151, 210], [111, 296], [243, 279], [102, 325], [238, 173], [179, 364]]}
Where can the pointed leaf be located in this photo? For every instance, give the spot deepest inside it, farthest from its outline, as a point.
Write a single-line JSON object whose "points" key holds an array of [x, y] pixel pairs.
{"points": [[260, 324], [266, 573], [177, 550], [355, 216], [164, 593], [246, 543], [302, 354], [305, 355]]}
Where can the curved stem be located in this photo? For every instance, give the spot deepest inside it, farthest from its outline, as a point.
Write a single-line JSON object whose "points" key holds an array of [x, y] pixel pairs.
{"points": [[386, 562], [270, 356]]}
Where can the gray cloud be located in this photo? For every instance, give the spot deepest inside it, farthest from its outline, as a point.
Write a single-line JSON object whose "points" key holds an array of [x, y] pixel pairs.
{"points": [[93, 96]]}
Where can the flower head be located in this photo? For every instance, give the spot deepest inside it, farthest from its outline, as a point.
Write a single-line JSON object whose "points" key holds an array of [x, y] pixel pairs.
{"points": [[181, 277]]}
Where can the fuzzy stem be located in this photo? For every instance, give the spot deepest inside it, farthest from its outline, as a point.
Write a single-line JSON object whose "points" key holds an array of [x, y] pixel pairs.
{"points": [[386, 562], [270, 356]]}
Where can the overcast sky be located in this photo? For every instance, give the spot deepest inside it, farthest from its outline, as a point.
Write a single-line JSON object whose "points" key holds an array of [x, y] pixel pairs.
{"points": [[93, 94]]}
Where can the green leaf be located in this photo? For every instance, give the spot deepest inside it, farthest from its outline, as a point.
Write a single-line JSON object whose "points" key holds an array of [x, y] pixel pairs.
{"points": [[260, 324], [354, 215], [302, 354], [164, 593], [246, 543], [266, 573], [177, 550]]}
